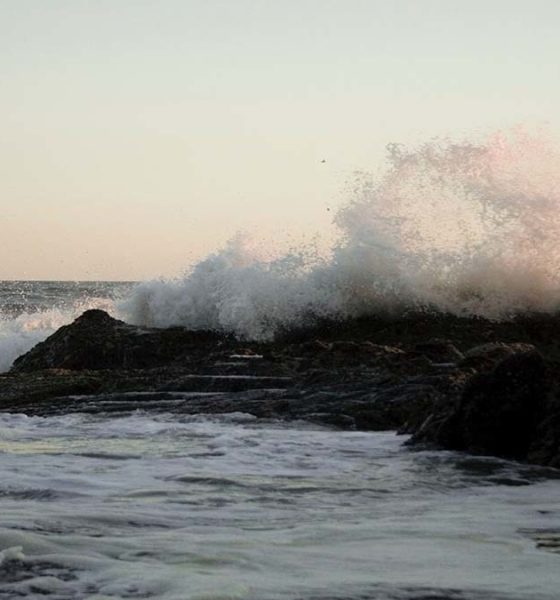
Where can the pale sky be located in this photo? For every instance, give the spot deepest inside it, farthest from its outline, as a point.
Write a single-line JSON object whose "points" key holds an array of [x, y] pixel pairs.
{"points": [[139, 135]]}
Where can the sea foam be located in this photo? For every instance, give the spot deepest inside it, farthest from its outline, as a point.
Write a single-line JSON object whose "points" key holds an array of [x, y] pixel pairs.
{"points": [[470, 229]]}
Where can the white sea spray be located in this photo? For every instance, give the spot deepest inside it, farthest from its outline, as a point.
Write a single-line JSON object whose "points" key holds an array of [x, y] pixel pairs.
{"points": [[465, 228]]}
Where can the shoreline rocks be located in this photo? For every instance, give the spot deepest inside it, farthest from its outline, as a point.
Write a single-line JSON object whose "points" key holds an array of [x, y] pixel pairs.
{"points": [[457, 383], [506, 412], [95, 340]]}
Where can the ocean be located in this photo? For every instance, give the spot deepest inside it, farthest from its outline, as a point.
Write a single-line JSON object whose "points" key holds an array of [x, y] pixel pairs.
{"points": [[150, 504], [155, 504]]}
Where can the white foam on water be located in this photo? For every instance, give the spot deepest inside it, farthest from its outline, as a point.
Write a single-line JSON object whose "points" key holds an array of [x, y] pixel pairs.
{"points": [[465, 228], [13, 553], [179, 508]]}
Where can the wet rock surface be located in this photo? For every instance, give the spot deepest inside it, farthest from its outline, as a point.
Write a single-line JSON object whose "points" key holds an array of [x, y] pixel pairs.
{"points": [[97, 341], [462, 384], [506, 412]]}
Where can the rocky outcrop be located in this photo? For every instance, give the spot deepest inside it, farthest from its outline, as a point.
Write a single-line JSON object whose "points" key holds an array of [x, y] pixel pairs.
{"points": [[488, 355], [439, 351], [510, 412], [461, 384], [98, 361], [97, 341]]}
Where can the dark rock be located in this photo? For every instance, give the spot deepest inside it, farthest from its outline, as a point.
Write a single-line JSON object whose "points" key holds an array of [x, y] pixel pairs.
{"points": [[347, 347], [439, 351], [338, 420], [44, 385], [97, 341], [412, 373], [226, 383], [488, 355], [498, 413], [545, 446], [381, 349], [314, 346]]}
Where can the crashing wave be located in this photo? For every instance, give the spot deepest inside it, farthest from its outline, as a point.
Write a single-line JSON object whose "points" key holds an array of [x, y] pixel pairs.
{"points": [[465, 228]]}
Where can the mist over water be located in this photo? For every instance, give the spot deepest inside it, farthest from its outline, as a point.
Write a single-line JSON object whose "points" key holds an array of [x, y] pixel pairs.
{"points": [[465, 228]]}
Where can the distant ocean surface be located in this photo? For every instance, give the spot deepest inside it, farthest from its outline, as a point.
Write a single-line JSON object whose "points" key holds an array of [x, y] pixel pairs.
{"points": [[149, 504], [33, 297]]}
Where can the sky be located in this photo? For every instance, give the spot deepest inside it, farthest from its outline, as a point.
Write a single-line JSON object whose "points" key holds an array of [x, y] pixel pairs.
{"points": [[137, 136]]}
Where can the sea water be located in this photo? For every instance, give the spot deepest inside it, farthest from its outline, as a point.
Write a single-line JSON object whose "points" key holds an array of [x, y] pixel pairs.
{"points": [[145, 505], [149, 504], [160, 505]]}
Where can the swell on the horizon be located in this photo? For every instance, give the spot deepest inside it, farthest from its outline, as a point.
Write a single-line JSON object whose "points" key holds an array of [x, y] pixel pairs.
{"points": [[470, 229]]}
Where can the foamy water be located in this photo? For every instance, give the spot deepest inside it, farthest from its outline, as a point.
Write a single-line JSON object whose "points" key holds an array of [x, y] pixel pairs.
{"points": [[168, 507], [468, 229]]}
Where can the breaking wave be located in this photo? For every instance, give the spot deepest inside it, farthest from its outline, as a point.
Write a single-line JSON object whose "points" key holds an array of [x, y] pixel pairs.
{"points": [[470, 229]]}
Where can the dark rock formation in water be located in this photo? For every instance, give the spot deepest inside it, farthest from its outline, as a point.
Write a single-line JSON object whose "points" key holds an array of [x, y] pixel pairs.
{"points": [[97, 341], [458, 383], [507, 412]]}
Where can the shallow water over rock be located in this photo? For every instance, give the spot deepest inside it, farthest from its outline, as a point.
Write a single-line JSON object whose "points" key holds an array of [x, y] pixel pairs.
{"points": [[159, 505]]}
